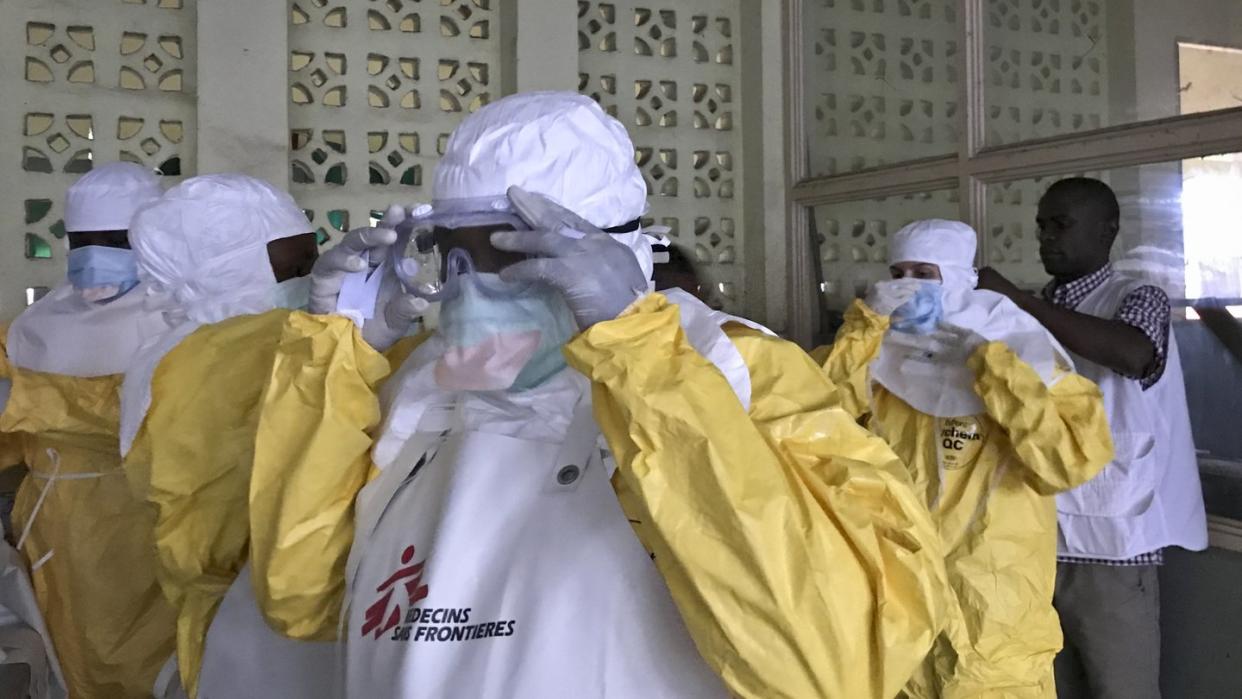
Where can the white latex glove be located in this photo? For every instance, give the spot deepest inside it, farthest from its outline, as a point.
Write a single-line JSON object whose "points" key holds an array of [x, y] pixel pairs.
{"points": [[394, 311], [598, 276], [887, 296], [966, 338], [360, 250]]}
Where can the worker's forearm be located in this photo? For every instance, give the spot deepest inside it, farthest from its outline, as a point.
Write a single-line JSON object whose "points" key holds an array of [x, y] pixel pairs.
{"points": [[1110, 343]]}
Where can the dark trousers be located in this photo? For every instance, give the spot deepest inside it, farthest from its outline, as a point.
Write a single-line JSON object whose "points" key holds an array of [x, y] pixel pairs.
{"points": [[1110, 616]]}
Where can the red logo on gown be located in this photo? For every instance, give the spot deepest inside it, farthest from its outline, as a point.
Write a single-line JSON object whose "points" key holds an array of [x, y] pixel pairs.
{"points": [[378, 617]]}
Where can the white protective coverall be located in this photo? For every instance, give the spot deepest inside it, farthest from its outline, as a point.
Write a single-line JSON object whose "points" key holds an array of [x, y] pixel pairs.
{"points": [[187, 432]]}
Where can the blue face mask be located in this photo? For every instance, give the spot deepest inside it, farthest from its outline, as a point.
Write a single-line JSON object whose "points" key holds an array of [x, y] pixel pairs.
{"points": [[498, 341], [921, 314], [293, 294], [94, 267]]}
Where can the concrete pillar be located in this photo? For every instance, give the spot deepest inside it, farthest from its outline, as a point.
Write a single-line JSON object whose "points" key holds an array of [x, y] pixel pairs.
{"points": [[243, 122], [540, 46]]}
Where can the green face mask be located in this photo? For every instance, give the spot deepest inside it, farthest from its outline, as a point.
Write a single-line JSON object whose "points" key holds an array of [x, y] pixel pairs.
{"points": [[293, 294], [498, 341]]}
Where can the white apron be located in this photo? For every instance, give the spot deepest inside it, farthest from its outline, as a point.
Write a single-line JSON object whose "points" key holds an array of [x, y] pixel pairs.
{"points": [[245, 659], [1149, 496], [491, 566], [486, 565]]}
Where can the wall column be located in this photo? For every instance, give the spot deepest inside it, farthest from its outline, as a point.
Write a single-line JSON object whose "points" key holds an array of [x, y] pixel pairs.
{"points": [[243, 89]]}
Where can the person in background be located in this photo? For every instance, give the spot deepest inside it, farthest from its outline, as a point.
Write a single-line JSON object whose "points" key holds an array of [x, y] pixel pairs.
{"points": [[733, 533], [674, 269], [1113, 529], [232, 254], [75, 519], [977, 400]]}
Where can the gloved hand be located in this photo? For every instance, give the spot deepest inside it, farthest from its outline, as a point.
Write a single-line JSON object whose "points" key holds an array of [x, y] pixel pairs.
{"points": [[887, 296], [360, 250], [598, 276], [394, 310]]}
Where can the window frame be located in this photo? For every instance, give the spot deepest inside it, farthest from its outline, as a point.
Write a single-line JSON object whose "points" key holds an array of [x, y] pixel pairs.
{"points": [[972, 168]]}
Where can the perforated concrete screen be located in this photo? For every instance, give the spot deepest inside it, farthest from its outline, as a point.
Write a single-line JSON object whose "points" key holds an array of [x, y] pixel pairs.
{"points": [[84, 81], [882, 88], [670, 73], [375, 87]]}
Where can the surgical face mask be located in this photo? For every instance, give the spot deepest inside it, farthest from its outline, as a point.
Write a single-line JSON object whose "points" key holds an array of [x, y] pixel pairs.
{"points": [[921, 314], [293, 294], [501, 341], [101, 273]]}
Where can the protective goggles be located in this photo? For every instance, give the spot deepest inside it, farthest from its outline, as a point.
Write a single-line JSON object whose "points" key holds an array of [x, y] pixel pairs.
{"points": [[417, 253], [416, 256]]}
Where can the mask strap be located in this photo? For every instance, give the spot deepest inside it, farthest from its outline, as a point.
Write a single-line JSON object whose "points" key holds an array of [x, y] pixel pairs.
{"points": [[630, 227]]}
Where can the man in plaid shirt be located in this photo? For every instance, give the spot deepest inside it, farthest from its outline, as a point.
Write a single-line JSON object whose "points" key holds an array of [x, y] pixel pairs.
{"points": [[1109, 606]]}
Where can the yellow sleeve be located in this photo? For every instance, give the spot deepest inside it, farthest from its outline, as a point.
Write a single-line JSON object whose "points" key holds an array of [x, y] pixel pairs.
{"points": [[790, 538], [191, 462], [312, 456], [10, 442], [1061, 433], [848, 359]]}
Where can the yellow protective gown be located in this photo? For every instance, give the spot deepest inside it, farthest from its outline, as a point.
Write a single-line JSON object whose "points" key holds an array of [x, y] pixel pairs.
{"points": [[798, 553], [989, 481], [793, 545], [10, 444], [111, 627], [219, 407]]}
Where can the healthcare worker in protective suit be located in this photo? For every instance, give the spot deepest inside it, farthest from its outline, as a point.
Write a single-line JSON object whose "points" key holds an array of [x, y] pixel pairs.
{"points": [[75, 519], [980, 403], [587, 489], [232, 253]]}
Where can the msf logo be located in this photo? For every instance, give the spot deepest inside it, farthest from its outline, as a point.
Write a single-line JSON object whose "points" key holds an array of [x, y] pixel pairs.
{"points": [[377, 617]]}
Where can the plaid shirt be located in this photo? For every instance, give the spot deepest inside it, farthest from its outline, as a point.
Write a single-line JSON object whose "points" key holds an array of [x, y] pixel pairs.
{"points": [[1146, 309]]}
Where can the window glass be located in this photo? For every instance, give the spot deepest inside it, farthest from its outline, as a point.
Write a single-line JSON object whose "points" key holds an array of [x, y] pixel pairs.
{"points": [[1179, 231], [880, 82], [1060, 66], [1177, 226]]}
